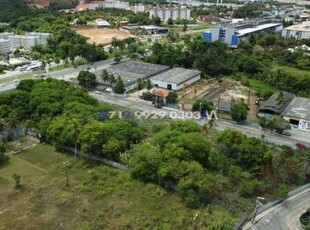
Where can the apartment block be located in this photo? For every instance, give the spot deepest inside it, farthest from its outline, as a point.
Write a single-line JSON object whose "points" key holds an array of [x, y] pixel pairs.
{"points": [[4, 46], [173, 13], [26, 41], [301, 31]]}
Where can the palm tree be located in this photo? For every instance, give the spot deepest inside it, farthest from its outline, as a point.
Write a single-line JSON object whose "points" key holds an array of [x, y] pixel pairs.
{"points": [[306, 163], [105, 75], [2, 125], [280, 98], [112, 79], [75, 133], [13, 123]]}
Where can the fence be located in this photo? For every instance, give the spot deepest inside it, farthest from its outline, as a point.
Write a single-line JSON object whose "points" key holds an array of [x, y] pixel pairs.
{"points": [[12, 134], [95, 158]]}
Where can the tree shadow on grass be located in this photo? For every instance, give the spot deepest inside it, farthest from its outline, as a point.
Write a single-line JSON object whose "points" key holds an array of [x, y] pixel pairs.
{"points": [[4, 161]]}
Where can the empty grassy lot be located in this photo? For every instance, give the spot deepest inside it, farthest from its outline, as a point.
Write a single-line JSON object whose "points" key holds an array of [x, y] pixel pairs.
{"points": [[98, 197]]}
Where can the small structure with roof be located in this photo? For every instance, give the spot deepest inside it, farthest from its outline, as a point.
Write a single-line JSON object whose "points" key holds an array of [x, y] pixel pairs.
{"points": [[275, 104], [298, 113], [176, 78], [102, 23], [159, 96]]}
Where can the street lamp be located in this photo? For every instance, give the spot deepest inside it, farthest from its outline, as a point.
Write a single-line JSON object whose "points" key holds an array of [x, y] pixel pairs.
{"points": [[257, 204], [200, 108]]}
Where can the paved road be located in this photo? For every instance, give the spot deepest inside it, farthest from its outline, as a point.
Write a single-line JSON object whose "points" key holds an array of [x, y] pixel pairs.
{"points": [[253, 130], [284, 216], [65, 74], [140, 105]]}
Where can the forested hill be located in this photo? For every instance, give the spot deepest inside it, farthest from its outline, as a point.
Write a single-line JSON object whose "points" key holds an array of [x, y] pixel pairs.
{"points": [[11, 8]]}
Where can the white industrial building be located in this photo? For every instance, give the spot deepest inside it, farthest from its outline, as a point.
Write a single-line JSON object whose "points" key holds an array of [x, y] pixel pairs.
{"points": [[301, 31], [173, 13], [298, 113], [175, 78], [233, 34]]}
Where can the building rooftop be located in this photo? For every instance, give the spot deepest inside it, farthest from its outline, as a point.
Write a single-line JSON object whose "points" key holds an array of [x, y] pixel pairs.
{"points": [[299, 108], [300, 27], [257, 28], [275, 104], [101, 22], [161, 92], [3, 40], [176, 75], [131, 71]]}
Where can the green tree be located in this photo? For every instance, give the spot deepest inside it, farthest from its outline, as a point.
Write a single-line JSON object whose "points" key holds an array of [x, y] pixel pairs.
{"points": [[105, 75], [144, 162], [86, 79], [13, 123], [117, 57], [3, 125], [75, 132], [305, 162], [239, 111], [278, 124], [140, 84], [149, 85], [170, 21], [156, 21], [2, 149], [16, 177], [119, 86], [202, 105], [172, 97], [184, 27]]}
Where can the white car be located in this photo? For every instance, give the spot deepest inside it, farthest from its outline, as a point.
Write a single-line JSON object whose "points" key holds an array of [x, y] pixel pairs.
{"points": [[98, 92], [2, 85]]}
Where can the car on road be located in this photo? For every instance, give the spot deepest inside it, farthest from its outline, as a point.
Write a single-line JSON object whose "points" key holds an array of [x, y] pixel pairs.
{"points": [[285, 133], [2, 85], [97, 92]]}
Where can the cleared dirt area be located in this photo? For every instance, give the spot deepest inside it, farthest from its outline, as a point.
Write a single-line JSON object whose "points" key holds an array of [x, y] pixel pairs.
{"points": [[103, 36]]}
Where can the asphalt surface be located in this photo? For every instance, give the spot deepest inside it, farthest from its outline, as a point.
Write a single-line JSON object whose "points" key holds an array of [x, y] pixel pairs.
{"points": [[284, 216], [250, 130], [136, 104]]}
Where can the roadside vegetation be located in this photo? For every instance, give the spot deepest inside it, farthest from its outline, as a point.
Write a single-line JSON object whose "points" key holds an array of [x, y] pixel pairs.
{"points": [[202, 170]]}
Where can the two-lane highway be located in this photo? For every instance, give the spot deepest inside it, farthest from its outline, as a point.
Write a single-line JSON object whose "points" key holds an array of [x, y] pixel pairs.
{"points": [[284, 216]]}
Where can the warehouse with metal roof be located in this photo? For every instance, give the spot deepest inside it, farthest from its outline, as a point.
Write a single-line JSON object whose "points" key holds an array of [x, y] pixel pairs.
{"points": [[298, 113], [176, 78], [131, 71], [275, 104]]}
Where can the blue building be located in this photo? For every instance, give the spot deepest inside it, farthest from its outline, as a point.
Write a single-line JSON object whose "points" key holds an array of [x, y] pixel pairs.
{"points": [[233, 34]]}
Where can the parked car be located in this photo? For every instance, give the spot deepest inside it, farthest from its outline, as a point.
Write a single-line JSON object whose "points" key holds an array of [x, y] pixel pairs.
{"points": [[98, 92], [285, 133]]}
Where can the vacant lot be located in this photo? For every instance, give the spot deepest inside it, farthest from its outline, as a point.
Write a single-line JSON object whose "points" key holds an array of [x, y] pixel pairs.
{"points": [[98, 197], [103, 36]]}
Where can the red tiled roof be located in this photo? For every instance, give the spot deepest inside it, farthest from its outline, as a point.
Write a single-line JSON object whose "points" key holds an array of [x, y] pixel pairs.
{"points": [[161, 92]]}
